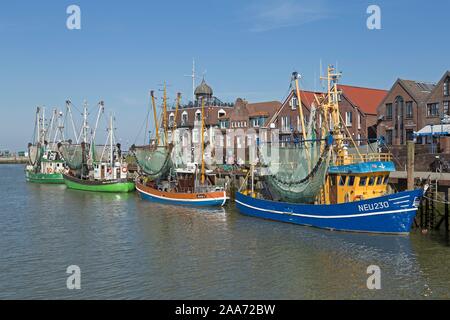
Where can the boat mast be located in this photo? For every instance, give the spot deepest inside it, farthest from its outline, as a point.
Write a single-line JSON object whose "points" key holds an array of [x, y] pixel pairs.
{"points": [[51, 125], [69, 111], [332, 107], [84, 129], [43, 126], [60, 129], [101, 109], [176, 113], [165, 114], [155, 117], [111, 141], [295, 77], [193, 80], [203, 141], [38, 125]]}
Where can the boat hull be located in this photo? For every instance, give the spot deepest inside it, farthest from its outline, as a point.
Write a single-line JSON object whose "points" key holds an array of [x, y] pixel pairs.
{"points": [[44, 178], [392, 214], [207, 199], [114, 186]]}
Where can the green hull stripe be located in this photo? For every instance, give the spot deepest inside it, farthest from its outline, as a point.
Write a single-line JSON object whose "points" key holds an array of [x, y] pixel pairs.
{"points": [[115, 187], [45, 178]]}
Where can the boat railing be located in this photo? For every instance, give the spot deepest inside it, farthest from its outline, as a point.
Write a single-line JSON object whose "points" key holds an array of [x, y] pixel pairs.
{"points": [[357, 158]]}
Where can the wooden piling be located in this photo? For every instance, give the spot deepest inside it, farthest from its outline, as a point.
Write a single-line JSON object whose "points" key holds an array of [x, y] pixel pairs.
{"points": [[447, 209], [410, 165]]}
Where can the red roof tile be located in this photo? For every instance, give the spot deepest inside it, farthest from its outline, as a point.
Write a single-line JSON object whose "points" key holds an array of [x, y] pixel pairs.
{"points": [[364, 98]]}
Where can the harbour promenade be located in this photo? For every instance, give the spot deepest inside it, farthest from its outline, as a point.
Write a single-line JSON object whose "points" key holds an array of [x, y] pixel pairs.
{"points": [[13, 160]]}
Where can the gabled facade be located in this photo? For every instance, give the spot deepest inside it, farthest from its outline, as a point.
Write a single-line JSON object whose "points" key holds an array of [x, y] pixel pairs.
{"points": [[361, 103], [437, 104], [407, 108]]}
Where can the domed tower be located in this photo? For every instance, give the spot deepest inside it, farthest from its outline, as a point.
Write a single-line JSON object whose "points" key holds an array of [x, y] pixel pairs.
{"points": [[203, 91]]}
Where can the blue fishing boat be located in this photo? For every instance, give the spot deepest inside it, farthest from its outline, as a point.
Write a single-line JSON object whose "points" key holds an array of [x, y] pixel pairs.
{"points": [[326, 184], [389, 214]]}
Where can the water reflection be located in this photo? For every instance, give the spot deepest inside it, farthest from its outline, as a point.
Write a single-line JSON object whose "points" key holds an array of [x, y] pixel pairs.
{"points": [[129, 248]]}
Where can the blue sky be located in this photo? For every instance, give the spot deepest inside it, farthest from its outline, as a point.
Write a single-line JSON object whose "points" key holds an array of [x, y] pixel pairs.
{"points": [[245, 48]]}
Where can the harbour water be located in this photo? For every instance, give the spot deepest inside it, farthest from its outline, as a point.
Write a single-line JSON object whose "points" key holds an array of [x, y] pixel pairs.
{"points": [[131, 249]]}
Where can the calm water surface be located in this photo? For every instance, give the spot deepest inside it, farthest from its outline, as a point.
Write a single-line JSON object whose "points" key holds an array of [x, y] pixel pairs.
{"points": [[130, 249]]}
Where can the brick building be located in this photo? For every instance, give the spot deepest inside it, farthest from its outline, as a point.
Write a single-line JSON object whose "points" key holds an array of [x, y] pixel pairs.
{"points": [[437, 103], [232, 119], [410, 106], [401, 112]]}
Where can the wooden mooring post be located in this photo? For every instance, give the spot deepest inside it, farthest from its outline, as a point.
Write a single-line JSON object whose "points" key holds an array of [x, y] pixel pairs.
{"points": [[410, 165]]}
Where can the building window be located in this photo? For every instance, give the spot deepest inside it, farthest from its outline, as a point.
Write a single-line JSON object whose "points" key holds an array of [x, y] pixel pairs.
{"points": [[388, 111], [446, 87], [256, 122], [294, 103], [195, 136], [171, 120], [198, 115], [409, 110], [238, 142], [224, 124], [389, 137], [433, 110], [184, 118], [446, 109], [285, 123], [221, 113], [359, 120], [348, 118]]}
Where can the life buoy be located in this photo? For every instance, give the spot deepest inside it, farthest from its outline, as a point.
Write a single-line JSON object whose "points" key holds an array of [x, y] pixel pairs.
{"points": [[358, 197], [124, 169], [49, 170]]}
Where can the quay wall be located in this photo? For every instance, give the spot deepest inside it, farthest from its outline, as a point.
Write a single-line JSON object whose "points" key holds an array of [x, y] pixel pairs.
{"points": [[13, 160]]}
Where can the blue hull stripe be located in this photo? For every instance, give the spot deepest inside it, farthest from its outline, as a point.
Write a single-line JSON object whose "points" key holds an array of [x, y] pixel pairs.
{"points": [[377, 215], [330, 217]]}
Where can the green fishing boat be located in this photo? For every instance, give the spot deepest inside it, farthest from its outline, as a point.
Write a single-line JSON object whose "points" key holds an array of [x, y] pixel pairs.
{"points": [[44, 178], [96, 168], [45, 163]]}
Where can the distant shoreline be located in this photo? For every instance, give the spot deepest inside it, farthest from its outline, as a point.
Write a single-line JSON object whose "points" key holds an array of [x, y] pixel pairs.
{"points": [[14, 160]]}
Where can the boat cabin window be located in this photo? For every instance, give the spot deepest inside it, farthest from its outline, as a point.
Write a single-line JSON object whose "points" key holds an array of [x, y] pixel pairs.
{"points": [[342, 180], [386, 179], [371, 181], [351, 181], [380, 180], [362, 181]]}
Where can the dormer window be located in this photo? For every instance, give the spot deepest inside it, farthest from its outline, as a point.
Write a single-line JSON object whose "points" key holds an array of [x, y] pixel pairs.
{"points": [[294, 103], [221, 113], [184, 118]]}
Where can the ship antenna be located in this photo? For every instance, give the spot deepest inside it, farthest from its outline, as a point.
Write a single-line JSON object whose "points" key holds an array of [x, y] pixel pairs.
{"points": [[193, 76]]}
